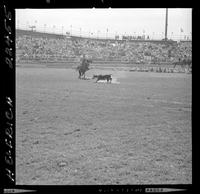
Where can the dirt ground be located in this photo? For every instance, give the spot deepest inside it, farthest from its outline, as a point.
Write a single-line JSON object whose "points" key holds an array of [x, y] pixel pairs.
{"points": [[77, 132]]}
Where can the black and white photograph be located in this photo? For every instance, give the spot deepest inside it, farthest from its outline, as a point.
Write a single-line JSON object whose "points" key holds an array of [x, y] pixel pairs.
{"points": [[103, 96]]}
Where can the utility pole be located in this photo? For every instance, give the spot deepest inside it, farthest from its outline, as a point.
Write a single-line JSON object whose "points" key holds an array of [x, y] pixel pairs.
{"points": [[71, 29], [166, 23], [106, 33]]}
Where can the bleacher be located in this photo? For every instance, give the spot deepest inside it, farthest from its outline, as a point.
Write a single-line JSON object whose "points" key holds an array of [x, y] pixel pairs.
{"points": [[45, 48]]}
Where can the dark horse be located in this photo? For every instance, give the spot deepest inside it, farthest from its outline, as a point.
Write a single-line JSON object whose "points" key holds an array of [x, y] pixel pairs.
{"points": [[184, 63], [83, 68]]}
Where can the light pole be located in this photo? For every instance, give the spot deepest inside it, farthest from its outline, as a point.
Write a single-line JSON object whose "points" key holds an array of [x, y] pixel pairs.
{"points": [[181, 31], [35, 24], [106, 33]]}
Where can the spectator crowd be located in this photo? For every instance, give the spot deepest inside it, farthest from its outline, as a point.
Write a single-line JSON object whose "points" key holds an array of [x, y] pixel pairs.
{"points": [[29, 47]]}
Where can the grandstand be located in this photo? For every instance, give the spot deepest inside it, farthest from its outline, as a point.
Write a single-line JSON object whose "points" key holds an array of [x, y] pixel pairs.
{"points": [[32, 46]]}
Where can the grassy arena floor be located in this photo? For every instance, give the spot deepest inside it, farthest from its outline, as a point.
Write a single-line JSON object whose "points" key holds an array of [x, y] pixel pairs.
{"points": [[78, 132]]}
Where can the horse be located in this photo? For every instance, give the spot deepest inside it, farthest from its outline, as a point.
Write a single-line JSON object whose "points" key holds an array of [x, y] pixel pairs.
{"points": [[81, 71], [83, 68]]}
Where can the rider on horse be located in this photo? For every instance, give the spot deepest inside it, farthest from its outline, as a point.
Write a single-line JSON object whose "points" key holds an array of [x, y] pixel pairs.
{"points": [[84, 62], [84, 66]]}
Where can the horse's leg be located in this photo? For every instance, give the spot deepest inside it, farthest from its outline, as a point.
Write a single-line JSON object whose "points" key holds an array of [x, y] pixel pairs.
{"points": [[82, 75], [79, 74]]}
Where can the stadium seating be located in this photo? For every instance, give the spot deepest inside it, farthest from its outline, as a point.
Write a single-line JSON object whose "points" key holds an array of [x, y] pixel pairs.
{"points": [[29, 47]]}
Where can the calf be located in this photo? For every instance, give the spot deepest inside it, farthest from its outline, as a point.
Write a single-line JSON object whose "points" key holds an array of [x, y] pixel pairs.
{"points": [[103, 77]]}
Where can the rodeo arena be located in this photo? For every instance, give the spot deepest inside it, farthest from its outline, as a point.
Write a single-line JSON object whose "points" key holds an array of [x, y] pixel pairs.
{"points": [[97, 109]]}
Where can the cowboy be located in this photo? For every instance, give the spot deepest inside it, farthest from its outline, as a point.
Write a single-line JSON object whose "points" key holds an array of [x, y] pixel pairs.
{"points": [[83, 60], [84, 66]]}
